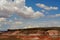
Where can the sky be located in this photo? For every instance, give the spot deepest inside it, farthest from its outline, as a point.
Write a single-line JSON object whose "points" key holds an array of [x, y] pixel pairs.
{"points": [[20, 14]]}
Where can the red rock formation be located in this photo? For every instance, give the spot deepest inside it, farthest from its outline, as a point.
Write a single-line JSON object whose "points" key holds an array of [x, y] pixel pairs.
{"points": [[32, 34]]}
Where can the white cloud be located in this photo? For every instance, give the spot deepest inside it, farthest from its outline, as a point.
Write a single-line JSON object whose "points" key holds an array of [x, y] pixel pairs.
{"points": [[9, 7], [51, 23], [52, 16], [38, 14], [32, 26], [10, 24], [46, 7], [15, 25], [28, 12], [57, 15], [2, 19], [29, 26], [18, 22], [42, 10]]}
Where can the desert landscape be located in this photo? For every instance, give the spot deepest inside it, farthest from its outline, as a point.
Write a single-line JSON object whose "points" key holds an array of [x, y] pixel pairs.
{"points": [[29, 19], [31, 34]]}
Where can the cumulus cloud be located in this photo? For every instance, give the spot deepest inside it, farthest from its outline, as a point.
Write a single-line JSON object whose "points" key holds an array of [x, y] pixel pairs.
{"points": [[46, 7], [9, 7], [52, 16]]}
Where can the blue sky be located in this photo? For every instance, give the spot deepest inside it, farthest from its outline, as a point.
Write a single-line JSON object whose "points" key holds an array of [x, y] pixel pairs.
{"points": [[53, 3], [29, 13], [33, 3]]}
